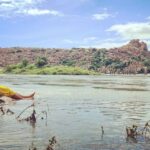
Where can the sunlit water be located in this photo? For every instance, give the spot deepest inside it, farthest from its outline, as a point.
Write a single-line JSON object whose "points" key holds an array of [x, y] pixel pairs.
{"points": [[77, 107]]}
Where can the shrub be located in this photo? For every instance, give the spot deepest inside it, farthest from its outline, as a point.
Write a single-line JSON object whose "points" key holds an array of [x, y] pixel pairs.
{"points": [[41, 61], [9, 68], [31, 66], [24, 63], [147, 62], [98, 59], [117, 64], [68, 62]]}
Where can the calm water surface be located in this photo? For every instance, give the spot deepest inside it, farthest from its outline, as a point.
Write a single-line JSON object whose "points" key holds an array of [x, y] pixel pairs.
{"points": [[77, 107]]}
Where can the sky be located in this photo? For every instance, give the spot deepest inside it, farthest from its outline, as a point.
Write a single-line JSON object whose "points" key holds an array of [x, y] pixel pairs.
{"points": [[73, 23]]}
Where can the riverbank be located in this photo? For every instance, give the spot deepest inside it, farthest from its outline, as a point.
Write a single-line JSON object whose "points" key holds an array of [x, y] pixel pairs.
{"points": [[54, 70], [46, 70]]}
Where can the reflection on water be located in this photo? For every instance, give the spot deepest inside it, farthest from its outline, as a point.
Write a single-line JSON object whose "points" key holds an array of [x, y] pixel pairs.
{"points": [[77, 107]]}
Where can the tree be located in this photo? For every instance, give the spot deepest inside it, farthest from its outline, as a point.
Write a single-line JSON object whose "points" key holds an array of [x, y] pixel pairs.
{"points": [[68, 62], [41, 61], [24, 63], [98, 59], [147, 62]]}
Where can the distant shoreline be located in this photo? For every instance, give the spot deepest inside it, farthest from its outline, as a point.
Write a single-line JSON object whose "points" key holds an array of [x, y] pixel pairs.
{"points": [[46, 70], [59, 70], [132, 58]]}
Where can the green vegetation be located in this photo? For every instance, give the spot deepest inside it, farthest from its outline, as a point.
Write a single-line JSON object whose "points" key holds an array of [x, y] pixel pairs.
{"points": [[46, 70], [117, 64], [41, 61], [41, 67], [147, 64], [1, 70], [24, 63], [100, 60], [68, 62]]}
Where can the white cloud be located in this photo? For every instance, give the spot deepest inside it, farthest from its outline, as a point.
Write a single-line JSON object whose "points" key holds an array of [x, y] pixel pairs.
{"points": [[24, 7], [85, 40], [36, 12], [139, 30], [16, 4], [95, 42], [101, 16], [107, 43]]}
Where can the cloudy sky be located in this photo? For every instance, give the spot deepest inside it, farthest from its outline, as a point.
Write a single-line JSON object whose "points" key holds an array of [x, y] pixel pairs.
{"points": [[73, 23]]}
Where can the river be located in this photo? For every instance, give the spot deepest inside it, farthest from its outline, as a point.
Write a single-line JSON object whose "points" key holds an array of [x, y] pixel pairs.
{"points": [[77, 107]]}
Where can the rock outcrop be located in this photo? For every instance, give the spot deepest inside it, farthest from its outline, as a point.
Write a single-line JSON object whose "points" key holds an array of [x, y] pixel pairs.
{"points": [[139, 45]]}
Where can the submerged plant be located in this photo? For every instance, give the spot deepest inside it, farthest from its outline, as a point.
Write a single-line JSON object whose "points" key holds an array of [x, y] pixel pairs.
{"points": [[52, 143], [32, 147], [135, 131], [31, 118], [131, 131], [6, 111]]}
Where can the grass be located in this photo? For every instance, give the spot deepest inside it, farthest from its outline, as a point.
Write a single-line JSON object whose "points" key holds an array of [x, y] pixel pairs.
{"points": [[1, 70], [46, 70]]}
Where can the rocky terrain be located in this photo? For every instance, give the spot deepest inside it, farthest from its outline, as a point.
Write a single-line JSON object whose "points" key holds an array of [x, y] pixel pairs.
{"points": [[131, 58]]}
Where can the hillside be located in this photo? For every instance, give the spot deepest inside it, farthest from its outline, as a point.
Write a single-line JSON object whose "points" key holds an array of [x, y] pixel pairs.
{"points": [[131, 58]]}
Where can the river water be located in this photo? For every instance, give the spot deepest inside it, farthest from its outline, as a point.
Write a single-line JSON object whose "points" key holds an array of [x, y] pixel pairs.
{"points": [[77, 107]]}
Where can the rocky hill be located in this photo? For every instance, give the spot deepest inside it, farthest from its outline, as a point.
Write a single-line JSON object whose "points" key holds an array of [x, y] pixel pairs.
{"points": [[131, 58]]}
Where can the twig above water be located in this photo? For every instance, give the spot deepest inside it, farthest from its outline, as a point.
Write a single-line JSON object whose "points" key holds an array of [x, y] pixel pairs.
{"points": [[2, 110], [24, 110]]}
